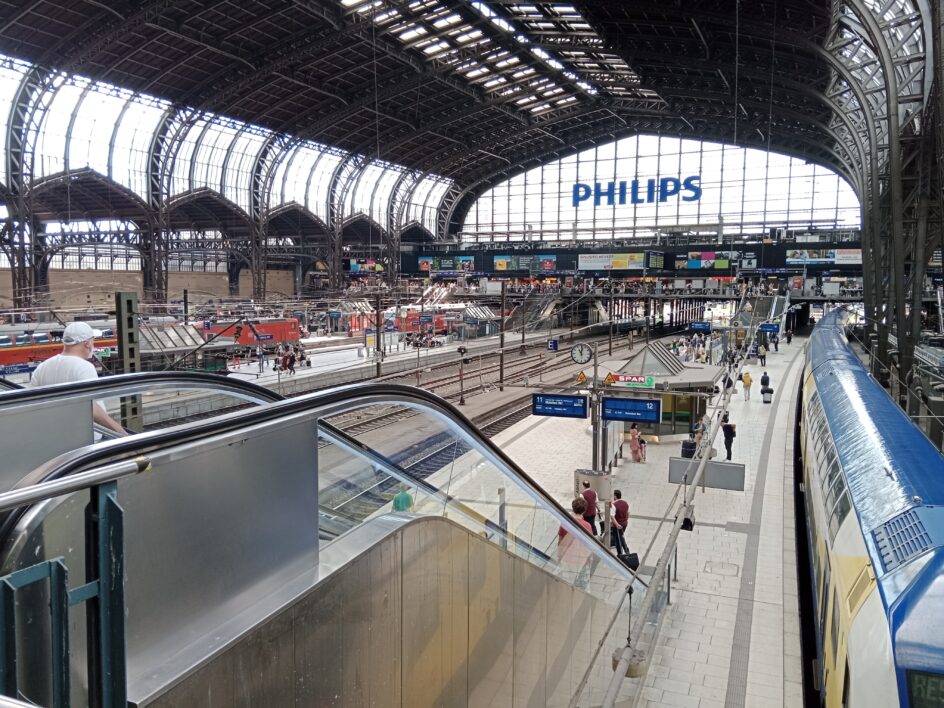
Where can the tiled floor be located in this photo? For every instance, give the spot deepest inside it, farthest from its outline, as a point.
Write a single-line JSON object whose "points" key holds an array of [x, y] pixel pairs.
{"points": [[731, 637]]}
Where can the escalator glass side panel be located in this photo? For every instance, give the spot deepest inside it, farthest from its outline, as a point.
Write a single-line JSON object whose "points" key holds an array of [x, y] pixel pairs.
{"points": [[426, 464]]}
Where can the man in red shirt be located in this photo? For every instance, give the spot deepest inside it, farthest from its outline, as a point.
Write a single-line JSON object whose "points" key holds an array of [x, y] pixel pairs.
{"points": [[620, 522], [590, 515]]}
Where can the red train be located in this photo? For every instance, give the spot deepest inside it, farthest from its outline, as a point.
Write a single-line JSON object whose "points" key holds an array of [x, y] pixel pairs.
{"points": [[35, 351], [251, 332]]}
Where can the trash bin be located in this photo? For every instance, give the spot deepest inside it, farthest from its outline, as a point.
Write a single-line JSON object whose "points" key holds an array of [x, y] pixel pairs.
{"points": [[767, 394], [688, 448]]}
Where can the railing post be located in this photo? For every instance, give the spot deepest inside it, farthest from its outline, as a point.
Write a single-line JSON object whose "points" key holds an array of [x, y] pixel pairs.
{"points": [[59, 631], [106, 611], [503, 517], [8, 643]]}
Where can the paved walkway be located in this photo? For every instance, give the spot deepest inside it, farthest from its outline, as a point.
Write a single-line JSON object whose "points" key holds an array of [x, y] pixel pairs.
{"points": [[731, 637]]}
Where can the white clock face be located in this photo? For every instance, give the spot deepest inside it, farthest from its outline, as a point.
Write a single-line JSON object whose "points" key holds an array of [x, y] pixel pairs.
{"points": [[581, 353]]}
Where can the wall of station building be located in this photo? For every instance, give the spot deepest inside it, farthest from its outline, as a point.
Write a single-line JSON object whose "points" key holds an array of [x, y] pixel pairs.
{"points": [[90, 288]]}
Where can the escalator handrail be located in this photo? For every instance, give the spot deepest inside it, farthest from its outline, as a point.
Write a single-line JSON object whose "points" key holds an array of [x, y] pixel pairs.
{"points": [[357, 394], [126, 384]]}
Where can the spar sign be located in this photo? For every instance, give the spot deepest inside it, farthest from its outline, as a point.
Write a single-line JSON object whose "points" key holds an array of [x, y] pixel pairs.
{"points": [[632, 380]]}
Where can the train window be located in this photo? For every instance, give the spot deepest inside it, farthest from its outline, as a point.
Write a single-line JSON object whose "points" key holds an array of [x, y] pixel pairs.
{"points": [[843, 506], [22, 339], [831, 474], [5, 341], [836, 489]]}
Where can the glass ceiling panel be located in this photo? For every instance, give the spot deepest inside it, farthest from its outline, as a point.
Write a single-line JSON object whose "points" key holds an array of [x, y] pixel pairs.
{"points": [[245, 151], [414, 210], [487, 50], [50, 151], [181, 174], [320, 183], [359, 197], [94, 125], [210, 154], [433, 202], [133, 139]]}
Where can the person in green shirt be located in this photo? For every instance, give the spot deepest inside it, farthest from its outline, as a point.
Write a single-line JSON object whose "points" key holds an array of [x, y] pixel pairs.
{"points": [[402, 501]]}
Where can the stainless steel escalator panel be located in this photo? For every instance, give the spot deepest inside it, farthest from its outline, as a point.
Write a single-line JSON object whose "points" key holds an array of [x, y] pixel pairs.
{"points": [[37, 424], [423, 612], [214, 534]]}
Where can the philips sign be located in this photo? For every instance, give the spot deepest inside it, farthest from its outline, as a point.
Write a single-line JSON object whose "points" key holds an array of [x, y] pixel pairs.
{"points": [[638, 191]]}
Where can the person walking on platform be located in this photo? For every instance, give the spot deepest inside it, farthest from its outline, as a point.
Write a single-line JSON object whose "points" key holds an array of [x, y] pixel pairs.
{"points": [[775, 340], [747, 381], [635, 447], [620, 523], [764, 381], [729, 430], [762, 355], [73, 364], [590, 515], [402, 501], [789, 336], [260, 354]]}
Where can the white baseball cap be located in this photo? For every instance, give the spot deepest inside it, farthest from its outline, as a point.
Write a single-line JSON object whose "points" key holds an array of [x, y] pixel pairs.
{"points": [[78, 332]]}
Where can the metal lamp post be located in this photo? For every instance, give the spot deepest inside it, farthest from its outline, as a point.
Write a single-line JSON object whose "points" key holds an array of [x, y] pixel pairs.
{"points": [[462, 351]]}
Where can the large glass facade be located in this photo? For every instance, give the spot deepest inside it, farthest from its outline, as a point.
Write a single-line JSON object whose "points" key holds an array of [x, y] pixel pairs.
{"points": [[639, 186], [113, 131]]}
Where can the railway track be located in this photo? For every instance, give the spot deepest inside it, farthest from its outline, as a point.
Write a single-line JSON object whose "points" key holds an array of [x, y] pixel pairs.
{"points": [[345, 500]]}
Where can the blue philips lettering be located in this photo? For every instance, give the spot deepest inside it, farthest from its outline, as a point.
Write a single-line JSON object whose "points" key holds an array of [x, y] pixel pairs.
{"points": [[582, 193], [598, 193], [631, 192], [668, 187], [691, 185]]}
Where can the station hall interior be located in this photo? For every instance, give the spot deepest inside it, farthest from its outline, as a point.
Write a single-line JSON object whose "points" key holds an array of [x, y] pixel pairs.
{"points": [[471, 353]]}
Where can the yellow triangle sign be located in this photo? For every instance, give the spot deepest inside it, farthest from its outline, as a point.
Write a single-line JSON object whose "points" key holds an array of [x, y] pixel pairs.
{"points": [[609, 380], [581, 378]]}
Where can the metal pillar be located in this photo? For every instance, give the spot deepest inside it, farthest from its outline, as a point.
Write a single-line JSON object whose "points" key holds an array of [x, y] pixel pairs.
{"points": [[378, 336], [129, 356], [501, 340]]}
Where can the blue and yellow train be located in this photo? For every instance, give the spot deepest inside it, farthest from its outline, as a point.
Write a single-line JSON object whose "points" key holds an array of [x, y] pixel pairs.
{"points": [[873, 488]]}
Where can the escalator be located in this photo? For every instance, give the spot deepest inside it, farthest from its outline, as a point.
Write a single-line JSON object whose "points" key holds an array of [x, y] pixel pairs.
{"points": [[465, 594], [36, 424]]}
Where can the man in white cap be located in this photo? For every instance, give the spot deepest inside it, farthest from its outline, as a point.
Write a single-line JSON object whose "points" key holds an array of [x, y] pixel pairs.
{"points": [[78, 346]]}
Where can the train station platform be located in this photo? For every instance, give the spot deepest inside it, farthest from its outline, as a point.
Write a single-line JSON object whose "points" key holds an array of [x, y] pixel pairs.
{"points": [[731, 636]]}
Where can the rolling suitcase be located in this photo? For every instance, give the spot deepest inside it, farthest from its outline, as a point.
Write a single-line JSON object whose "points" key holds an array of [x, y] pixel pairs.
{"points": [[630, 560]]}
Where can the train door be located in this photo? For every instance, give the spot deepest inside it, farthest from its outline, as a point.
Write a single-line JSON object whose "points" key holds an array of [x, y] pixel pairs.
{"points": [[834, 653]]}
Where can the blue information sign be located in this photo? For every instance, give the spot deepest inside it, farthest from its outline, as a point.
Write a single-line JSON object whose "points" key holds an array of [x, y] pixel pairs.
{"points": [[701, 326], [552, 345], [264, 337], [770, 327], [426, 319], [206, 325], [637, 410], [559, 406], [334, 315]]}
